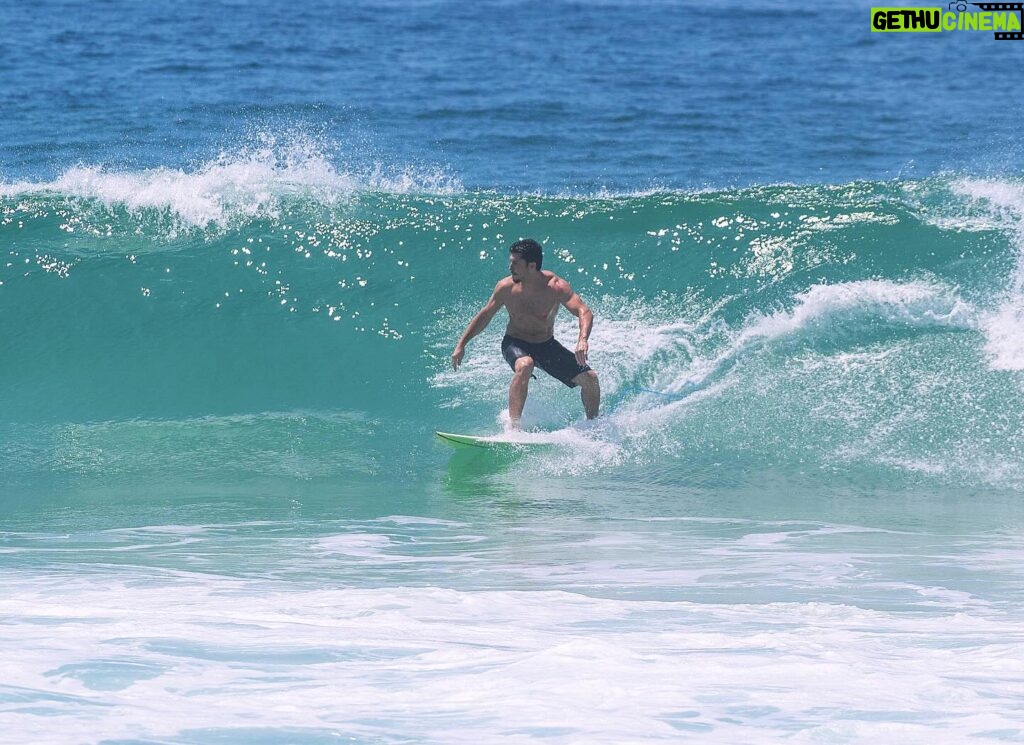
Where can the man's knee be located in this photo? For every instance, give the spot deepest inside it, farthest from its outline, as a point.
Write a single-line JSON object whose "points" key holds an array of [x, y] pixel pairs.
{"points": [[586, 379], [524, 366]]}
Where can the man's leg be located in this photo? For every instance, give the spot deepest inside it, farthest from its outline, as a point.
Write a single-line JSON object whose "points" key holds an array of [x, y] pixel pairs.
{"points": [[518, 389], [590, 392]]}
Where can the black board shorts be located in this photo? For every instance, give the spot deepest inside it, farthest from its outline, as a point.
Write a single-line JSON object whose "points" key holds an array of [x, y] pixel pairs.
{"points": [[549, 356]]}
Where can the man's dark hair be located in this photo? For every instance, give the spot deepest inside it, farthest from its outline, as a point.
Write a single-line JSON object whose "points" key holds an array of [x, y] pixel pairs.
{"points": [[529, 250]]}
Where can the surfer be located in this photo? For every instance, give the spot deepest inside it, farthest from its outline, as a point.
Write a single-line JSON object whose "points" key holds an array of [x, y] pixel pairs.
{"points": [[532, 296]]}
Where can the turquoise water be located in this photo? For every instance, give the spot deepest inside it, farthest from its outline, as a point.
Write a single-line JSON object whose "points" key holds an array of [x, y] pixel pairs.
{"points": [[239, 243], [799, 514]]}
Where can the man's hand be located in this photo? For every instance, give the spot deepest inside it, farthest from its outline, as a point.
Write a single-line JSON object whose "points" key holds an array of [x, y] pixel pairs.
{"points": [[582, 347], [457, 356]]}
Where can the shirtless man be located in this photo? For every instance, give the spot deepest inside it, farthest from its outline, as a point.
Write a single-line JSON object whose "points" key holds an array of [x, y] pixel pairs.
{"points": [[532, 297]]}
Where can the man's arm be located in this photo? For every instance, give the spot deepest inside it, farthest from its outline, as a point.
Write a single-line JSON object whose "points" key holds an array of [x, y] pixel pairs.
{"points": [[575, 305], [478, 324]]}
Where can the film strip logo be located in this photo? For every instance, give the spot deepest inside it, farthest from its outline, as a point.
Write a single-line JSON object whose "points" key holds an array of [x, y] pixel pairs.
{"points": [[999, 7]]}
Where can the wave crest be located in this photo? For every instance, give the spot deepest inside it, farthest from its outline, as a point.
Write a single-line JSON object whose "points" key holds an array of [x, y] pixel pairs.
{"points": [[247, 183]]}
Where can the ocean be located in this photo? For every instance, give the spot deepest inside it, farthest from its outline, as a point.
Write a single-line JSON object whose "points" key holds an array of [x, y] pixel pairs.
{"points": [[240, 240]]}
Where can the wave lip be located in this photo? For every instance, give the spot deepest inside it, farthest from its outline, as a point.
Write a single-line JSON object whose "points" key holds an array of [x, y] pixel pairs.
{"points": [[831, 311], [235, 186], [1004, 331], [1003, 327], [909, 303]]}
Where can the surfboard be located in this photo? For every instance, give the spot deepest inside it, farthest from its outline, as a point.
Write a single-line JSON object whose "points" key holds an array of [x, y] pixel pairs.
{"points": [[518, 439]]}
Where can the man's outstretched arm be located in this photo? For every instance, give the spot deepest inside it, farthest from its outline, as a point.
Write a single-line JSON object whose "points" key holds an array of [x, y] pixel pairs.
{"points": [[477, 325], [575, 305]]}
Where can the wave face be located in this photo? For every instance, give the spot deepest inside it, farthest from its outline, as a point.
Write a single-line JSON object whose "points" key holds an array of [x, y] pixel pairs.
{"points": [[167, 316]]}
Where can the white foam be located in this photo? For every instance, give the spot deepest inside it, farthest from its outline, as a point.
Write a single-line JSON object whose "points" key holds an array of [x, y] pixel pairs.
{"points": [[1004, 334], [1003, 327], [911, 303], [824, 309], [240, 184], [730, 631], [1003, 199]]}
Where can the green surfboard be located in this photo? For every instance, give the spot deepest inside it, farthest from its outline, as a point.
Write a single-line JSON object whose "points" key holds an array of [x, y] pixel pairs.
{"points": [[518, 440]]}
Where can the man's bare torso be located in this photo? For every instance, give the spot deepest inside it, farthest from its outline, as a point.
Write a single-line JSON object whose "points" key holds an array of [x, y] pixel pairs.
{"points": [[532, 310]]}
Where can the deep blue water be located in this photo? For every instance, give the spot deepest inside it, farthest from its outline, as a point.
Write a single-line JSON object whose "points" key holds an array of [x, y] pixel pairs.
{"points": [[531, 96]]}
